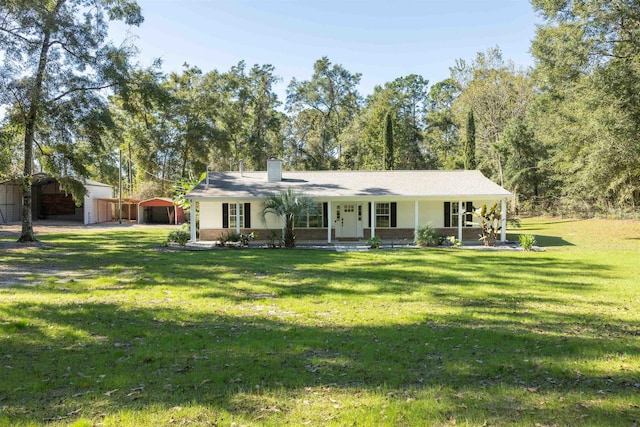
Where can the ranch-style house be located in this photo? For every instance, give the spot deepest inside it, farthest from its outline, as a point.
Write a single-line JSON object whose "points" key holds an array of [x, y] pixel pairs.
{"points": [[351, 205]]}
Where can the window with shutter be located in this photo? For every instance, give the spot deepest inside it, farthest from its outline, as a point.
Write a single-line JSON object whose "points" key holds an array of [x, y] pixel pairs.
{"points": [[225, 215]]}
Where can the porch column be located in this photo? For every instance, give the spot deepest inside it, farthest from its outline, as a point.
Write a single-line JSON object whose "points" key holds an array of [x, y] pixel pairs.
{"points": [[192, 218], [503, 219], [329, 220], [416, 223], [237, 217], [372, 214], [460, 217]]}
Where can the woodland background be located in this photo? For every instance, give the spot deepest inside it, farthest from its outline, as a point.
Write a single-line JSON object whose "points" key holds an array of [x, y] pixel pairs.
{"points": [[562, 135]]}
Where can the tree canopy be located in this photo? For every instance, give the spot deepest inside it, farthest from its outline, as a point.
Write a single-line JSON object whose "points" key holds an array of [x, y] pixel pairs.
{"points": [[560, 135]]}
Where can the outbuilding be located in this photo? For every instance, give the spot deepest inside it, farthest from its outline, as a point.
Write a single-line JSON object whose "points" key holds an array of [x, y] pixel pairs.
{"points": [[160, 210], [51, 202]]}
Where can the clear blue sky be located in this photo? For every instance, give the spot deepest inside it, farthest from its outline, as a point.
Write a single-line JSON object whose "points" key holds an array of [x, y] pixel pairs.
{"points": [[382, 40]]}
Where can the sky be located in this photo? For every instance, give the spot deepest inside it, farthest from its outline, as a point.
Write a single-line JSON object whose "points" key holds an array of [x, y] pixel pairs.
{"points": [[382, 40]]}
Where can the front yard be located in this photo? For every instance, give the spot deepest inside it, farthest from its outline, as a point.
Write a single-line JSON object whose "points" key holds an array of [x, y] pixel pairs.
{"points": [[108, 328]]}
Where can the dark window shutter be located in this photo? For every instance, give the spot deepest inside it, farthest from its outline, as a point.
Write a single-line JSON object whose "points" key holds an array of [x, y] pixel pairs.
{"points": [[369, 214], [225, 215], [394, 209], [447, 214], [247, 215], [469, 210], [325, 215]]}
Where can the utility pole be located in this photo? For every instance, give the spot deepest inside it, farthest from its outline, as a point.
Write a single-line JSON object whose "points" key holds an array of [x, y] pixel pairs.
{"points": [[120, 187]]}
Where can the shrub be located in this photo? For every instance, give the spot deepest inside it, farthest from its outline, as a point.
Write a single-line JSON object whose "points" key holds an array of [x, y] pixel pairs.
{"points": [[374, 242], [490, 219], [527, 241], [246, 238], [450, 241], [427, 236], [180, 237], [233, 237], [274, 240]]}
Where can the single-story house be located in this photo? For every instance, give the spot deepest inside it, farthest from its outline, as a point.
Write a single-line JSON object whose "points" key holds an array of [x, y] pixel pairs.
{"points": [[160, 210], [50, 201], [351, 205]]}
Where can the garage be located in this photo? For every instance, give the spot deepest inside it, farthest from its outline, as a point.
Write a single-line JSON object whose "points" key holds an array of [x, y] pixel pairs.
{"points": [[51, 202], [160, 210]]}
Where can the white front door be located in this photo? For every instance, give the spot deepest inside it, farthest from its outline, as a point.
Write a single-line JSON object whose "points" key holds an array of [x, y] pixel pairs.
{"points": [[346, 220]]}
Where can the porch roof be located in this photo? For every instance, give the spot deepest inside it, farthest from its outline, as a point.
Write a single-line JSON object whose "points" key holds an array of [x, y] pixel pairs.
{"points": [[456, 184]]}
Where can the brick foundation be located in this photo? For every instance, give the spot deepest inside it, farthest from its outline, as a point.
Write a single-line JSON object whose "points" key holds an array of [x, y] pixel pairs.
{"points": [[320, 234]]}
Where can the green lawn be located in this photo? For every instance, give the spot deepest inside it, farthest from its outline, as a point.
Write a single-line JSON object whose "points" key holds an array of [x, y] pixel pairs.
{"points": [[107, 328]]}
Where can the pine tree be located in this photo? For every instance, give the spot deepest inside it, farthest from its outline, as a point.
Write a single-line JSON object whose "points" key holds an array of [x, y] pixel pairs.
{"points": [[388, 142], [470, 143]]}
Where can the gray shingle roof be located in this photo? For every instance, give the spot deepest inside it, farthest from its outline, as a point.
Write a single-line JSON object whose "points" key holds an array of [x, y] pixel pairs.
{"points": [[342, 184]]}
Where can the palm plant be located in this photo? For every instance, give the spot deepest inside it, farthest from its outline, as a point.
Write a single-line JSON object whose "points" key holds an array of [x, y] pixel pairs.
{"points": [[288, 205]]}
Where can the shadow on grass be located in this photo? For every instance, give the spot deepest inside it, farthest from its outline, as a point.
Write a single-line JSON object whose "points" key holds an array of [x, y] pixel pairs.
{"points": [[112, 356], [542, 240], [294, 273], [133, 358]]}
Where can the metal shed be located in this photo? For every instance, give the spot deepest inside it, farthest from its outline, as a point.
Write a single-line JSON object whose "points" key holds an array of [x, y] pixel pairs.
{"points": [[160, 210], [50, 201]]}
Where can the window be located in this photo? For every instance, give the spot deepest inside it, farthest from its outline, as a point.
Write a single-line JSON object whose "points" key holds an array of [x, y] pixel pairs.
{"points": [[229, 215], [451, 214], [233, 215], [313, 219], [385, 215]]}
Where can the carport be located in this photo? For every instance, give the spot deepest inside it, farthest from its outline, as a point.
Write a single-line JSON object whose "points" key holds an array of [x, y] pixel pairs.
{"points": [[160, 210], [50, 201], [110, 206]]}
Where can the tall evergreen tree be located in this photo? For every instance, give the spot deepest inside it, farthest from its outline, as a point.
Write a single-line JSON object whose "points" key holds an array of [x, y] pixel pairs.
{"points": [[331, 101], [470, 143], [388, 142]]}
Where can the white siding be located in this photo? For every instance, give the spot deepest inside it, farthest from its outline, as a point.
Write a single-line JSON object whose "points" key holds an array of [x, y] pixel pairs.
{"points": [[96, 211], [211, 215], [404, 214], [431, 213]]}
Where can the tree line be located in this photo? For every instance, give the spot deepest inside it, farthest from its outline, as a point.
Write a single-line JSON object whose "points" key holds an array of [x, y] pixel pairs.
{"points": [[562, 134]]}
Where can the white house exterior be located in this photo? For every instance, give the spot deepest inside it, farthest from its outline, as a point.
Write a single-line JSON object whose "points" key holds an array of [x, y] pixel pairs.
{"points": [[351, 205], [95, 209]]}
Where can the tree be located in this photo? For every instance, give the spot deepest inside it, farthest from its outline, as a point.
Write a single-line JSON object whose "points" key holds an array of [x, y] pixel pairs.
{"points": [[183, 186], [524, 168], [441, 129], [332, 96], [388, 142], [588, 64], [490, 223], [405, 100], [470, 143], [497, 92], [56, 61], [288, 205]]}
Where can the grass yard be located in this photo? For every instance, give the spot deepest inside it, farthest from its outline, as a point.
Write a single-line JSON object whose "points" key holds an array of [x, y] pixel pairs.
{"points": [[106, 328]]}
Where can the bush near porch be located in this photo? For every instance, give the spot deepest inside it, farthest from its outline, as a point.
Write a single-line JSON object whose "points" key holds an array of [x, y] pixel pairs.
{"points": [[109, 328]]}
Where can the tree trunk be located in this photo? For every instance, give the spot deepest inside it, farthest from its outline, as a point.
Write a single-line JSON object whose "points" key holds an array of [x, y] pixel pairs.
{"points": [[289, 235], [29, 133]]}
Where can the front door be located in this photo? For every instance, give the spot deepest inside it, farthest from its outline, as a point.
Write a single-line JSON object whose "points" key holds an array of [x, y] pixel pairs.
{"points": [[347, 220]]}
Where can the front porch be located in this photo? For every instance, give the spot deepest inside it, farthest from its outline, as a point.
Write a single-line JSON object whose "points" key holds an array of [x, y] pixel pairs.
{"points": [[346, 221]]}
